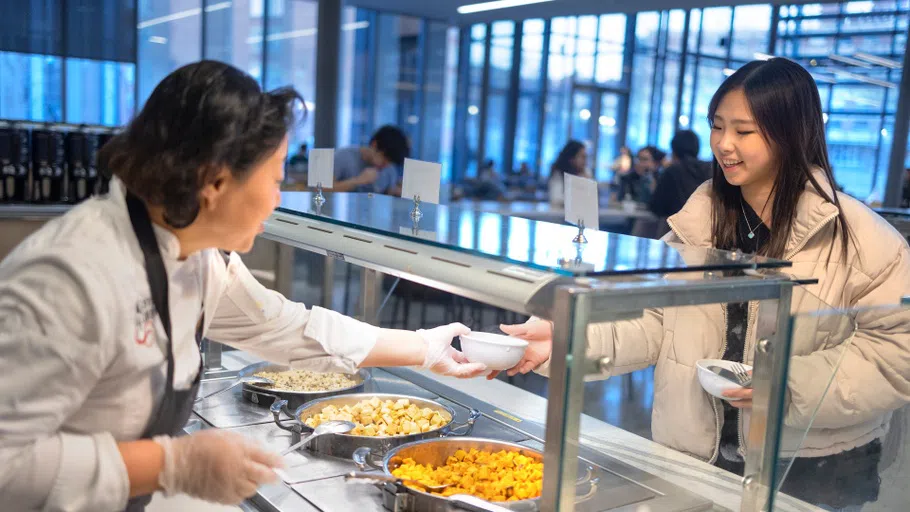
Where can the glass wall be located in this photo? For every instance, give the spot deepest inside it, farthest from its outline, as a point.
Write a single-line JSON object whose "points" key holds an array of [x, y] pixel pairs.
{"points": [[395, 69], [233, 34], [31, 87], [169, 36], [530, 95], [399, 70], [854, 50], [290, 54], [69, 62], [100, 93], [678, 60]]}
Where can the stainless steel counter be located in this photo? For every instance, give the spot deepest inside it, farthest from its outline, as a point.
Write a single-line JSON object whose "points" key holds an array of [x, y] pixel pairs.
{"points": [[33, 211], [315, 482]]}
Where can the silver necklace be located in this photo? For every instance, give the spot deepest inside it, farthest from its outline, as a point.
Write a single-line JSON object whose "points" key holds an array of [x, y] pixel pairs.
{"points": [[751, 234]]}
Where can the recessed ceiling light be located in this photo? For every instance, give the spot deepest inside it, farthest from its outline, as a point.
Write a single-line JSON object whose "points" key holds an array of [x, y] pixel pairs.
{"points": [[497, 4]]}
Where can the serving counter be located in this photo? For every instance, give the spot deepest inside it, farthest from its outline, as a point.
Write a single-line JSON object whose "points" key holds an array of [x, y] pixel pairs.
{"points": [[554, 272], [628, 471]]}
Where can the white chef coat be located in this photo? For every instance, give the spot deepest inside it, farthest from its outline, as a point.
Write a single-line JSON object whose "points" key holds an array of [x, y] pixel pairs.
{"points": [[82, 361]]}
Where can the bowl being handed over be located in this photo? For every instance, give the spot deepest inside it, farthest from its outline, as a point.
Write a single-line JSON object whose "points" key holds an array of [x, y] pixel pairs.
{"points": [[496, 351]]}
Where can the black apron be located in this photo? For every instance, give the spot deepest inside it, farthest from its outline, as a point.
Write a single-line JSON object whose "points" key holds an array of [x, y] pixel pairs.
{"points": [[175, 407]]}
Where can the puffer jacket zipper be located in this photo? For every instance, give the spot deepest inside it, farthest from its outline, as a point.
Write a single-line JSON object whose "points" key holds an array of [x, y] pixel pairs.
{"points": [[753, 311], [752, 315], [802, 243]]}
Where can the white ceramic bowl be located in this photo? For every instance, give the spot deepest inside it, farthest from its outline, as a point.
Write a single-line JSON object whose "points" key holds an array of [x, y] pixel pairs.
{"points": [[713, 383], [496, 351]]}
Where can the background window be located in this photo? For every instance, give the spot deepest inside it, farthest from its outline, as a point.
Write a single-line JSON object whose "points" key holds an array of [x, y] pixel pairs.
{"points": [[101, 93], [233, 34], [169, 35], [30, 87], [291, 55]]}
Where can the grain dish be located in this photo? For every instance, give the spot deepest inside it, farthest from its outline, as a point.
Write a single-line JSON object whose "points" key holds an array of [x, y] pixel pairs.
{"points": [[307, 381]]}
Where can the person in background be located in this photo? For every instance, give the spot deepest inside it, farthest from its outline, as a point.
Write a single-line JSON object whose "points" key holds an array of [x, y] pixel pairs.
{"points": [[622, 164], [905, 197], [678, 181], [773, 194], [647, 168], [489, 185], [639, 185], [573, 159], [373, 168], [299, 162]]}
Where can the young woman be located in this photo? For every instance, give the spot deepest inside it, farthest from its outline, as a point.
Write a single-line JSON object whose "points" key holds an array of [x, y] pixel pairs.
{"points": [[573, 159], [101, 310], [772, 193]]}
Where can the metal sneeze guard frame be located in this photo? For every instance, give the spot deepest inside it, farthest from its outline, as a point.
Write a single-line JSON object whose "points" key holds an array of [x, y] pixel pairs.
{"points": [[577, 306], [572, 304]]}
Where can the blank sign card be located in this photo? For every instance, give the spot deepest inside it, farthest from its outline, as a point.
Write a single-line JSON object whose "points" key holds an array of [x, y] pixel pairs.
{"points": [[421, 179], [581, 201], [321, 168]]}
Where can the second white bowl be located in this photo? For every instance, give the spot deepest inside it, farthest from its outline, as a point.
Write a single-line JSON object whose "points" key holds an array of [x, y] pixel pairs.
{"points": [[496, 351], [713, 383]]}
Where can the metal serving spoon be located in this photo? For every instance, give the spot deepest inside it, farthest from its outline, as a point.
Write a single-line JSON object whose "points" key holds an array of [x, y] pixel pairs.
{"points": [[328, 427], [379, 477], [242, 380]]}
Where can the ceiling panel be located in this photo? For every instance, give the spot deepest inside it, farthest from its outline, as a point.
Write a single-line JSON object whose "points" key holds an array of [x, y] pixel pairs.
{"points": [[446, 9]]}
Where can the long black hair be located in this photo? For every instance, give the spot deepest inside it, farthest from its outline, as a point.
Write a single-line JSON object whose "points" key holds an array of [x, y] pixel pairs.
{"points": [[563, 163], [786, 107], [202, 118]]}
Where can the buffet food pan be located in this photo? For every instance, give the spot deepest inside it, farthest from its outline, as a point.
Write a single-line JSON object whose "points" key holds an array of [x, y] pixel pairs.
{"points": [[436, 452], [344, 445], [266, 395]]}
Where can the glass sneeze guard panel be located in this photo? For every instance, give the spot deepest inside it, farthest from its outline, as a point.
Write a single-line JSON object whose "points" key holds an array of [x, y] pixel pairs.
{"points": [[844, 442], [534, 244]]}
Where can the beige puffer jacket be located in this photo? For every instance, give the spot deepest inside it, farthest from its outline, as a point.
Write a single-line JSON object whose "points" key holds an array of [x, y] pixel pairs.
{"points": [[874, 376]]}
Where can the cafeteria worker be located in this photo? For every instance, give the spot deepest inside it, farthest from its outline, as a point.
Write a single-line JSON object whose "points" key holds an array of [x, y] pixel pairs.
{"points": [[101, 310]]}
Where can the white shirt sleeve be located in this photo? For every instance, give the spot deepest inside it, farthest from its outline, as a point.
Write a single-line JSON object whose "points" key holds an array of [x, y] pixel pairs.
{"points": [[50, 359], [253, 318]]}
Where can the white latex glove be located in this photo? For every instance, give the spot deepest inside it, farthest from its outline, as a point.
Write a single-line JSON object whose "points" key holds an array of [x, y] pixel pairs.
{"points": [[442, 358], [214, 465]]}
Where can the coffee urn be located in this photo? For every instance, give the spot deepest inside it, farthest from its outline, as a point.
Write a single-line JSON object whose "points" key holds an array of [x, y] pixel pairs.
{"points": [[80, 173], [104, 175], [49, 182], [14, 164]]}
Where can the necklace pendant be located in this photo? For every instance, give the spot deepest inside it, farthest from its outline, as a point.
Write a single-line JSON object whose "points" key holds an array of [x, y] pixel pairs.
{"points": [[751, 235]]}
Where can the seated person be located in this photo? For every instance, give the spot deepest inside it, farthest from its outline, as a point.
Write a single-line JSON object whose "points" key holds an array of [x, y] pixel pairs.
{"points": [[680, 179], [572, 159], [374, 168]]}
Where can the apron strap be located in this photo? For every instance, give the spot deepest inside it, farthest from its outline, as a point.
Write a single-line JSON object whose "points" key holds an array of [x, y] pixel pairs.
{"points": [[155, 273]]}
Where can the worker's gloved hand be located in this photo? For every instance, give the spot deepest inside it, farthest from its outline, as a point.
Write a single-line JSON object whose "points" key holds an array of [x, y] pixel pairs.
{"points": [[442, 358], [215, 465]]}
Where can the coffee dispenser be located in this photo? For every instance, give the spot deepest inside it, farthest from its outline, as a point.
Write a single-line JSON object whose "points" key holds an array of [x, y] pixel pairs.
{"points": [[80, 174], [14, 164], [49, 182], [104, 175]]}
